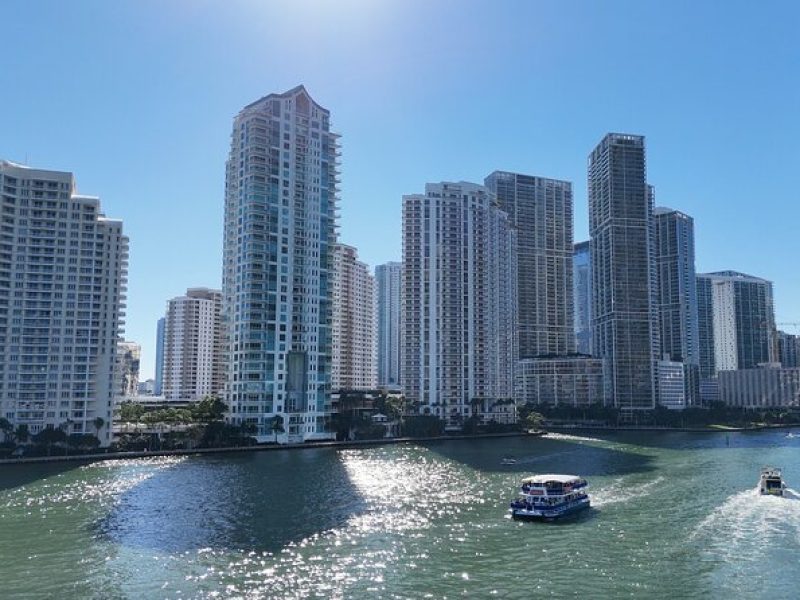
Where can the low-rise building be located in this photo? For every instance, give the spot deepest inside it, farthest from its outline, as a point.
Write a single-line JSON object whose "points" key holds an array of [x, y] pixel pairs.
{"points": [[764, 387]]}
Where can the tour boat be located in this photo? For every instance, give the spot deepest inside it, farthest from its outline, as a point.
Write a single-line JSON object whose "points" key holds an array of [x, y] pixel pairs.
{"points": [[771, 482], [550, 497]]}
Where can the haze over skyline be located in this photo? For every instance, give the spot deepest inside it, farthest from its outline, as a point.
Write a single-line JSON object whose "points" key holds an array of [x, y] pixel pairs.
{"points": [[137, 100]]}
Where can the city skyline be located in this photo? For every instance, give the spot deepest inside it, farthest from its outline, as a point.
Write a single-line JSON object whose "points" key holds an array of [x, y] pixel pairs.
{"points": [[177, 145]]}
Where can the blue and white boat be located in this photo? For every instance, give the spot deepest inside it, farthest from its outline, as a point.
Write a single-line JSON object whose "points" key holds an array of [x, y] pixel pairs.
{"points": [[549, 497]]}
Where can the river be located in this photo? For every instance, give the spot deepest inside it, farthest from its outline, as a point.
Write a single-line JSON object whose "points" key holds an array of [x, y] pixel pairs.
{"points": [[674, 515]]}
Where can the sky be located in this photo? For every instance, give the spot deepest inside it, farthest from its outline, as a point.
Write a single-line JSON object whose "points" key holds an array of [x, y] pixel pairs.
{"points": [[137, 100]]}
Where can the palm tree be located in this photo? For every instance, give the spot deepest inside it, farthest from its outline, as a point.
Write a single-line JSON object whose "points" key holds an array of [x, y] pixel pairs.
{"points": [[276, 426], [22, 433], [98, 425], [6, 428]]}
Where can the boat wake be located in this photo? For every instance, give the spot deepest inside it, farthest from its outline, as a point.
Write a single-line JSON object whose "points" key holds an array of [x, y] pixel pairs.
{"points": [[621, 491], [748, 518], [572, 438]]}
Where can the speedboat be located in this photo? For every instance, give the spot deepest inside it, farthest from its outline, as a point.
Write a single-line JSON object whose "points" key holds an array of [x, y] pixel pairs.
{"points": [[508, 460], [771, 482], [549, 497]]}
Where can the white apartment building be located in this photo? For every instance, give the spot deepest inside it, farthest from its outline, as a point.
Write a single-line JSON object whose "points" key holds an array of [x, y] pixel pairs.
{"points": [[458, 301], [281, 192], [63, 275], [354, 332], [193, 346], [128, 356], [388, 277]]}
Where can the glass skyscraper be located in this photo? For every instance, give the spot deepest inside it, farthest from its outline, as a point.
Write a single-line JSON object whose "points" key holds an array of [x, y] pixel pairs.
{"points": [[582, 286], [541, 210], [737, 322], [388, 278], [281, 193], [620, 224]]}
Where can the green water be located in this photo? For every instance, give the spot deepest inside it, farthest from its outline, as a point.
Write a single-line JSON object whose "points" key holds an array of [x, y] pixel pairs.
{"points": [[675, 516]]}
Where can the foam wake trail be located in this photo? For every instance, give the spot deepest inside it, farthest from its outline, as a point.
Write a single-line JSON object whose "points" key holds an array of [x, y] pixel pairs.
{"points": [[620, 492], [571, 438], [747, 524]]}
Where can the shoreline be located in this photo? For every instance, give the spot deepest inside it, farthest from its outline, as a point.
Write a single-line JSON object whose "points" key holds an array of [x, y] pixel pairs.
{"points": [[382, 442]]}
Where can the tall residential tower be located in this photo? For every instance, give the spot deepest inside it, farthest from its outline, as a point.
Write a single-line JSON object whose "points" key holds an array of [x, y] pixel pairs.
{"points": [[582, 286], [737, 322], [281, 192], [63, 275], [458, 301], [193, 346], [623, 315], [541, 211], [388, 277], [355, 350]]}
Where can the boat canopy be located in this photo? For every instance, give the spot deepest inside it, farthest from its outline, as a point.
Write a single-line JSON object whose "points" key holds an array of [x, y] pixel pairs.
{"points": [[552, 478]]}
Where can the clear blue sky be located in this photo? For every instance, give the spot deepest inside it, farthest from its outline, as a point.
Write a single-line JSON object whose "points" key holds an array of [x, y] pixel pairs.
{"points": [[137, 99]]}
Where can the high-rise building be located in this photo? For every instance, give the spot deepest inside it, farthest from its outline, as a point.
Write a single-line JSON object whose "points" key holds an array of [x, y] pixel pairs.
{"points": [[458, 301], [388, 278], [281, 193], [63, 275], [788, 350], [159, 377], [623, 315], [676, 293], [676, 303], [705, 327], [541, 211], [354, 326], [582, 286], [737, 316], [129, 354], [193, 346]]}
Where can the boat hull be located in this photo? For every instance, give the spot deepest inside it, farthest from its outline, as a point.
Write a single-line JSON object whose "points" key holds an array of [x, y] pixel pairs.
{"points": [[524, 514]]}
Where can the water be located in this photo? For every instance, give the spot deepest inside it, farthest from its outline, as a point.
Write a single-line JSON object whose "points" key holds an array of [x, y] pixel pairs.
{"points": [[675, 515]]}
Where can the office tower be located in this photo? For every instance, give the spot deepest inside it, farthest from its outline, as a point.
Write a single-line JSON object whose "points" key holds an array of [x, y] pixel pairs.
{"points": [[354, 326], [623, 317], [676, 304], [705, 326], [541, 211], [737, 314], [676, 293], [788, 350], [63, 274], [193, 346], [582, 286], [159, 377], [458, 301], [281, 193], [128, 356], [388, 277]]}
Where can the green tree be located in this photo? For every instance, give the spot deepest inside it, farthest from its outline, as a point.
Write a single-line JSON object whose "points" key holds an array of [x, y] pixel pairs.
{"points": [[276, 426], [534, 420], [22, 433], [209, 409], [98, 424], [6, 428], [50, 436], [130, 412]]}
